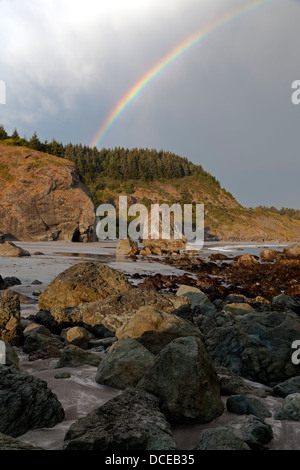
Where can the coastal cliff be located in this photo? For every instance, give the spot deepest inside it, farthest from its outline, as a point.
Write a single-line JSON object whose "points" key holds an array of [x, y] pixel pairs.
{"points": [[43, 198]]}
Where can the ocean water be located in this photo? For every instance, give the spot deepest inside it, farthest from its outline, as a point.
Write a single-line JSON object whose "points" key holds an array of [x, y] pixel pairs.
{"points": [[232, 249]]}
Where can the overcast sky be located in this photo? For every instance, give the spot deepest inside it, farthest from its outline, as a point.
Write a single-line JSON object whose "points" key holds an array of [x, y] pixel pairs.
{"points": [[225, 104]]}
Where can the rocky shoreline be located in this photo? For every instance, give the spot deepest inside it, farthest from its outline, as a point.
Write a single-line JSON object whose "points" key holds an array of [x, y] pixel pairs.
{"points": [[195, 354]]}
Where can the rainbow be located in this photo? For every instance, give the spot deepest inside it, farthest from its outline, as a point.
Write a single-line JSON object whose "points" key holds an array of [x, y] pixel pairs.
{"points": [[175, 53]]}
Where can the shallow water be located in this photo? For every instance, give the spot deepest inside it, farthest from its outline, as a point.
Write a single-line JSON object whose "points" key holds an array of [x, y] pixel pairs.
{"points": [[240, 249]]}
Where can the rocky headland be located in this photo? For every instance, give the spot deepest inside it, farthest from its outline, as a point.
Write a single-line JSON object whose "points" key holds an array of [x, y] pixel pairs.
{"points": [[43, 197]]}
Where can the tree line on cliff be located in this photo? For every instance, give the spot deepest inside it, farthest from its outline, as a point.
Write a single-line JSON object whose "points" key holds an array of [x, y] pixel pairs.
{"points": [[125, 165], [117, 163]]}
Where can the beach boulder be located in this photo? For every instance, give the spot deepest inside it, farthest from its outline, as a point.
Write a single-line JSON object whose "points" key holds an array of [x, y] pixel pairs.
{"points": [[10, 325], [83, 282], [254, 431], [292, 252], [288, 387], [185, 381], [290, 409], [246, 260], [256, 346], [232, 384], [36, 341], [198, 299], [238, 309], [130, 421], [78, 336], [125, 365], [127, 247], [155, 328], [112, 312], [26, 403], [10, 250], [73, 356], [220, 438], [268, 255], [283, 301], [10, 443], [243, 405]]}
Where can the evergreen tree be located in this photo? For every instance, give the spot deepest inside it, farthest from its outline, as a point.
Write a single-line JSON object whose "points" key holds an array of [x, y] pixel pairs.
{"points": [[69, 152], [56, 148], [3, 133], [15, 135], [35, 142]]}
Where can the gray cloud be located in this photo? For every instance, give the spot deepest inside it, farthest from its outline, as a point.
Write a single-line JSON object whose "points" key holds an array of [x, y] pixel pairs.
{"points": [[224, 104]]}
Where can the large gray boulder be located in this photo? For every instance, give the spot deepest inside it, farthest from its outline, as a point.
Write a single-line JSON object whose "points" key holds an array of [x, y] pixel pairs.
{"points": [[184, 379], [130, 421], [288, 387], [256, 346], [26, 403], [254, 431], [36, 328], [73, 356], [290, 409], [283, 301], [232, 384], [220, 438], [36, 341], [10, 443], [243, 405], [242, 433], [198, 299], [125, 365]]}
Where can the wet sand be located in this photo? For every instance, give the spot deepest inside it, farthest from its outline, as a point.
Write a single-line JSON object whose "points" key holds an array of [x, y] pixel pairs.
{"points": [[58, 256], [78, 395]]}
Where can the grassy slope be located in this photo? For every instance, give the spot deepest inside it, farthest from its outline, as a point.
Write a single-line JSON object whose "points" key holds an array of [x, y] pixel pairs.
{"points": [[225, 218]]}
